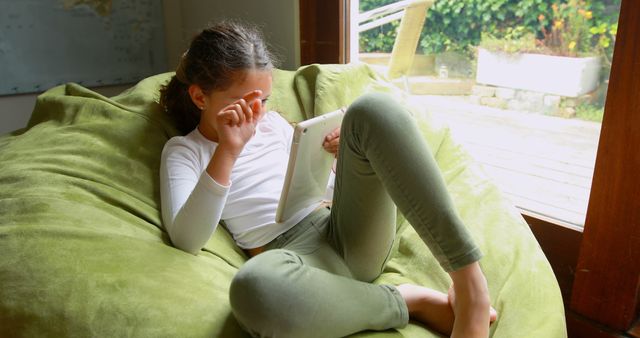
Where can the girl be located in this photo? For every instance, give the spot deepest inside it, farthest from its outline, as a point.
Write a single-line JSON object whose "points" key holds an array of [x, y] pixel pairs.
{"points": [[311, 275]]}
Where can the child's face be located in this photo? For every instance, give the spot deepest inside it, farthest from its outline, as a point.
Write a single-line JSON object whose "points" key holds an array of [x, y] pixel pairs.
{"points": [[245, 83]]}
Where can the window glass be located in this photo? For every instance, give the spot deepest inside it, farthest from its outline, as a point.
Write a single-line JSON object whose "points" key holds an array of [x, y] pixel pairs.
{"points": [[522, 84]]}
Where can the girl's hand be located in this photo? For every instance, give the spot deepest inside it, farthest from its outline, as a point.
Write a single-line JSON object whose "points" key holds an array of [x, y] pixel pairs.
{"points": [[332, 142], [237, 122]]}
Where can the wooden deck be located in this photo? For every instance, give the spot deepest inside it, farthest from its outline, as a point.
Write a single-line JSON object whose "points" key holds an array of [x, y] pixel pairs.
{"points": [[543, 164]]}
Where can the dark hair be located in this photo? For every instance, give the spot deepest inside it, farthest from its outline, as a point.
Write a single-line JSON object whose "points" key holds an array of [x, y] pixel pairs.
{"points": [[212, 61]]}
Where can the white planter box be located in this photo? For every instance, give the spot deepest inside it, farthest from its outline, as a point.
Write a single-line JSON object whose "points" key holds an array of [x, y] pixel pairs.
{"points": [[559, 75]]}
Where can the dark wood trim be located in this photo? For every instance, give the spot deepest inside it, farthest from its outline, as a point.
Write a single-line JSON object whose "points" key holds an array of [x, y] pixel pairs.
{"points": [[341, 32], [606, 286], [322, 31], [308, 25], [635, 330], [579, 327], [560, 244]]}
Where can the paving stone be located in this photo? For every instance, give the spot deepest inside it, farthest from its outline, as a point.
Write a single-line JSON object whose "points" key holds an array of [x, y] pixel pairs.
{"points": [[429, 85], [551, 103], [534, 100], [494, 102], [486, 91], [516, 105], [474, 99], [526, 95], [567, 112], [505, 93], [569, 102]]}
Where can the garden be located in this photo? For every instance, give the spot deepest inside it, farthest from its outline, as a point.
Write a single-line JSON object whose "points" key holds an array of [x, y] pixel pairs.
{"points": [[547, 56]]}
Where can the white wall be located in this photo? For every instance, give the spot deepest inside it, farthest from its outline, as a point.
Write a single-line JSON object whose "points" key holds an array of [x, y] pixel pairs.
{"points": [[183, 19], [15, 111]]}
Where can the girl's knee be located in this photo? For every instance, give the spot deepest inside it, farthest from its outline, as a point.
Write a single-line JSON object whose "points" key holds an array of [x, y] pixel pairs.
{"points": [[262, 274], [371, 103], [376, 109], [260, 289]]}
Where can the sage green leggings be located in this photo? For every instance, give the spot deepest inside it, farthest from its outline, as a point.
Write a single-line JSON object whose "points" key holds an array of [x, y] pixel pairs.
{"points": [[315, 279]]}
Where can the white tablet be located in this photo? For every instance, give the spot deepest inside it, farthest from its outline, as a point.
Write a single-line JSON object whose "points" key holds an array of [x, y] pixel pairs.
{"points": [[309, 165]]}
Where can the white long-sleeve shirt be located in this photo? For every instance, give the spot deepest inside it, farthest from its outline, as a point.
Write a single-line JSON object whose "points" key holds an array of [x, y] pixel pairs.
{"points": [[193, 203]]}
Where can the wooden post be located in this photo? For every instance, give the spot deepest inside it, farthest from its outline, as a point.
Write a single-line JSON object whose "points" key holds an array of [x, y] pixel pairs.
{"points": [[607, 279]]}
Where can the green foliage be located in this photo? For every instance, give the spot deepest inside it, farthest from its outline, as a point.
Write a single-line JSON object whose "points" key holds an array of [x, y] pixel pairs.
{"points": [[379, 39], [589, 112], [517, 39], [460, 25], [567, 31], [457, 25]]}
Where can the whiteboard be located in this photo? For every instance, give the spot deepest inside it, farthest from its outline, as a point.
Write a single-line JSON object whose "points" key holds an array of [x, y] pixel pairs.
{"points": [[44, 43]]}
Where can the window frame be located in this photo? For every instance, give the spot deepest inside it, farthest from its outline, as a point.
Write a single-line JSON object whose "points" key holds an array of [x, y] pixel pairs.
{"points": [[582, 259], [607, 279]]}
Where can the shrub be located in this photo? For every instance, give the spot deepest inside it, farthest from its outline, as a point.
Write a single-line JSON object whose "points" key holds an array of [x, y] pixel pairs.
{"points": [[379, 39], [567, 32], [517, 39], [459, 25], [590, 112]]}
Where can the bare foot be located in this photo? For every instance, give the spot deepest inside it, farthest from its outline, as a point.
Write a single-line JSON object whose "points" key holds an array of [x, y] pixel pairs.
{"points": [[428, 306], [471, 304]]}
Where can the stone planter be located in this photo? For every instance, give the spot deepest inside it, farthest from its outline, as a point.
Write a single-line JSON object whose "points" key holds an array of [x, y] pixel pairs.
{"points": [[558, 75]]}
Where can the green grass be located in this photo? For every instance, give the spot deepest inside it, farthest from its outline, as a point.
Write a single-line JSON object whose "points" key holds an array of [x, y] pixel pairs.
{"points": [[589, 112]]}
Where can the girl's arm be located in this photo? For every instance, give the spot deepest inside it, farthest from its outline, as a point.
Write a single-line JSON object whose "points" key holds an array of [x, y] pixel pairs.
{"points": [[192, 201], [221, 163]]}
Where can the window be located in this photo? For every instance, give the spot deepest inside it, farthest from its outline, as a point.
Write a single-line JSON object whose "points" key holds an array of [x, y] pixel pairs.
{"points": [[522, 84], [599, 282]]}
